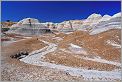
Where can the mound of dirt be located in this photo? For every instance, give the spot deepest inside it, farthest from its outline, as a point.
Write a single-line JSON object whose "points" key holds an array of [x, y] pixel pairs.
{"points": [[72, 60], [95, 44], [95, 47], [24, 45]]}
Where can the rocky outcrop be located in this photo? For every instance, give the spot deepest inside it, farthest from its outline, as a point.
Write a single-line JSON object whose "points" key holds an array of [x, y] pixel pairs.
{"points": [[113, 22], [25, 21], [94, 24], [29, 26]]}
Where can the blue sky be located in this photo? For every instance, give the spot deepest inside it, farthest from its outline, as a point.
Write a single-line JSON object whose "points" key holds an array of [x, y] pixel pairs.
{"points": [[57, 11]]}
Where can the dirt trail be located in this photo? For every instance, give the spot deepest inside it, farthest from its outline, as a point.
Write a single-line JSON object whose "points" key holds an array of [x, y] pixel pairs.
{"points": [[51, 52], [36, 59], [15, 70]]}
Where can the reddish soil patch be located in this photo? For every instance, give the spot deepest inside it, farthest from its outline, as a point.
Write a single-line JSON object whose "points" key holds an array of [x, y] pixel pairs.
{"points": [[24, 45], [74, 60], [95, 44]]}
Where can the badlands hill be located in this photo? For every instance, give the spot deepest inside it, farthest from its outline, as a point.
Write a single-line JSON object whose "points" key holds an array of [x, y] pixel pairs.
{"points": [[29, 26], [88, 49], [94, 24]]}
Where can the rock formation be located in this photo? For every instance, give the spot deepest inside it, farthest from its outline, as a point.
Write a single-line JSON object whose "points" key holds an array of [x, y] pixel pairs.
{"points": [[29, 26]]}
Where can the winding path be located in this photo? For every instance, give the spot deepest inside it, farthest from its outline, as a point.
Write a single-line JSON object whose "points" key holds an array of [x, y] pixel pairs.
{"points": [[35, 59]]}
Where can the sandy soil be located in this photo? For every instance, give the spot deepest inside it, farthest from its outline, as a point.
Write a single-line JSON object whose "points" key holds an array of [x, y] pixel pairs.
{"points": [[15, 70], [94, 46], [74, 60]]}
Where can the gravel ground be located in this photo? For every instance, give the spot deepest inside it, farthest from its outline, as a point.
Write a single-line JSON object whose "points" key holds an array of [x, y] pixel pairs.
{"points": [[15, 70]]}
